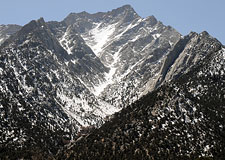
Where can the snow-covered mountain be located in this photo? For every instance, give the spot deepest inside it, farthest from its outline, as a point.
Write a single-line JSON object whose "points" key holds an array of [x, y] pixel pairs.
{"points": [[59, 77], [130, 46]]}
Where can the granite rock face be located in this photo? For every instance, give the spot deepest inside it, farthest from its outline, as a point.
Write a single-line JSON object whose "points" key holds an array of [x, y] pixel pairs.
{"points": [[187, 52]]}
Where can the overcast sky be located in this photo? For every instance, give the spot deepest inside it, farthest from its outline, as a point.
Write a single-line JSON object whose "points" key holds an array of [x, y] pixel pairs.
{"points": [[183, 15]]}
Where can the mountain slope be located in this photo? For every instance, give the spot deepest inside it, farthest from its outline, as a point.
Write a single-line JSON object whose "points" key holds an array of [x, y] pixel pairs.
{"points": [[42, 97], [130, 46], [187, 52], [59, 80], [7, 30], [89, 68], [181, 119]]}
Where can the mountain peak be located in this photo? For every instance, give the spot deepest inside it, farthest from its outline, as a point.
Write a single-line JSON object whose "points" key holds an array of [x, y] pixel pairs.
{"points": [[41, 20], [38, 31], [126, 12], [127, 6], [151, 19], [33, 25], [204, 33]]}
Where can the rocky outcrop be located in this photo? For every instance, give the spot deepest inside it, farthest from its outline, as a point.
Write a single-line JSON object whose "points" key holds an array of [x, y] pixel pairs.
{"points": [[187, 52], [199, 46]]}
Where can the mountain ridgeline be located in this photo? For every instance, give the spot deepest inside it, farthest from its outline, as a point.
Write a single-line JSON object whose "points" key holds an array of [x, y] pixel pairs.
{"points": [[110, 85]]}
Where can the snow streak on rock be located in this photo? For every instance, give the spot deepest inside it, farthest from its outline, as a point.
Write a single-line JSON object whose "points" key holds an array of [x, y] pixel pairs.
{"points": [[100, 35]]}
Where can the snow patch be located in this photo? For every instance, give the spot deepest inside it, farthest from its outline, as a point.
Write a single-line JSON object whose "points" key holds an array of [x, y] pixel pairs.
{"points": [[206, 149], [1, 40], [67, 63], [130, 26], [146, 47], [81, 81], [50, 115], [99, 36], [108, 76], [74, 61], [108, 109], [65, 43], [155, 36], [73, 105], [135, 38], [1, 71], [25, 42], [109, 80]]}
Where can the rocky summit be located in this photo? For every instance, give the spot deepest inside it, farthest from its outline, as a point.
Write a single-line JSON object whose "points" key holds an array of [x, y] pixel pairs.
{"points": [[110, 85]]}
